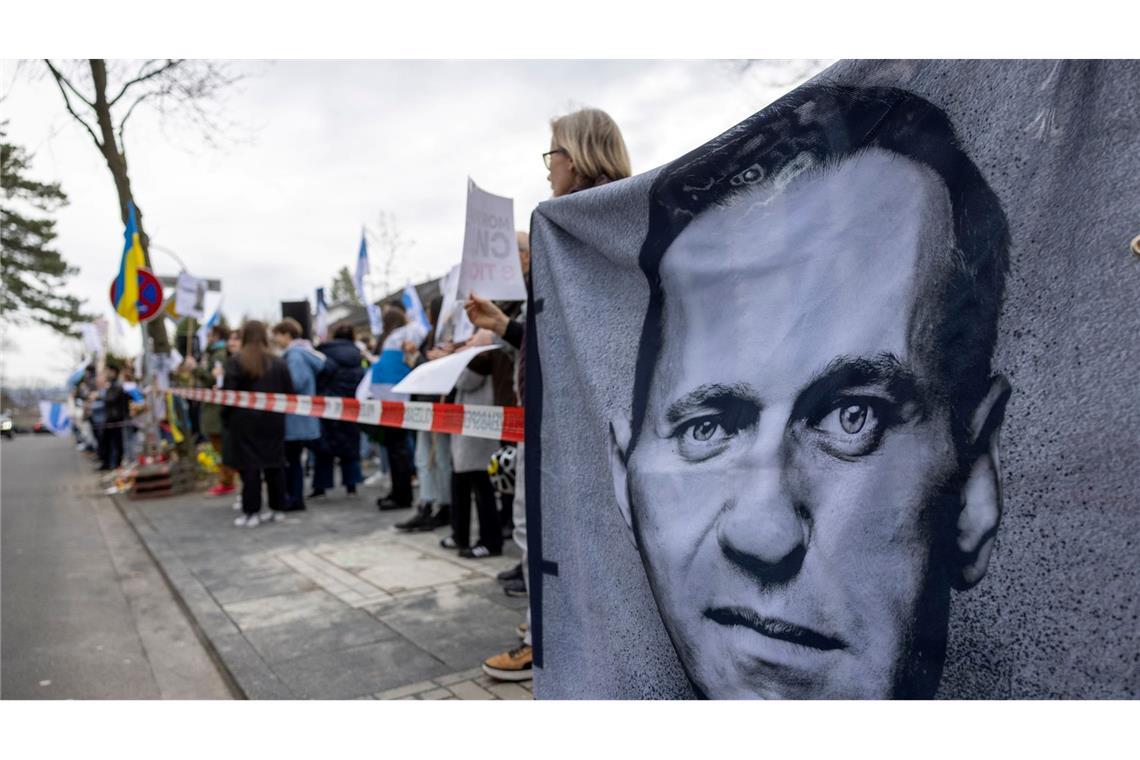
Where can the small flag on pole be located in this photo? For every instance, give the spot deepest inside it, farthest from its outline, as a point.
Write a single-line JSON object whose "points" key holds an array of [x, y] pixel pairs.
{"points": [[322, 325], [127, 281], [415, 308], [204, 330], [363, 268], [55, 417]]}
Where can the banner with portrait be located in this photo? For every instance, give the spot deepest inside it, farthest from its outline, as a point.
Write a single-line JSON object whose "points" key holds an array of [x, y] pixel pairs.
{"points": [[843, 403]]}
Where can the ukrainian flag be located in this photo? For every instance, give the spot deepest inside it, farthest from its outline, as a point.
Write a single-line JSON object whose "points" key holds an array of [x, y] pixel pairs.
{"points": [[127, 281]]}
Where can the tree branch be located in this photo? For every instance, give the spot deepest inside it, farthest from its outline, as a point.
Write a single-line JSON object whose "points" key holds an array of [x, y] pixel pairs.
{"points": [[60, 80], [170, 63], [127, 115]]}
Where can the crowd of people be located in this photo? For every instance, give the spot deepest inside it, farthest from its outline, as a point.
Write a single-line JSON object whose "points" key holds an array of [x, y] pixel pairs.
{"points": [[274, 453]]}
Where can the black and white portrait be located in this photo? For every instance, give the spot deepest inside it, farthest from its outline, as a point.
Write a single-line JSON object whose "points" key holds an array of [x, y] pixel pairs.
{"points": [[812, 460], [842, 402]]}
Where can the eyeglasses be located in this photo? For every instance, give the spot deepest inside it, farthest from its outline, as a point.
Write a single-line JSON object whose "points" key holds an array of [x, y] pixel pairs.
{"points": [[547, 157]]}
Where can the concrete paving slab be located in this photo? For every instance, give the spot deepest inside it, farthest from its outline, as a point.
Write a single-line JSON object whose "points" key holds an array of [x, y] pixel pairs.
{"points": [[284, 608], [360, 671], [344, 629]]}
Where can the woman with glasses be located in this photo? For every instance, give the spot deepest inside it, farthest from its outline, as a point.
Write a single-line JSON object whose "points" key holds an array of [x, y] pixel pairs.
{"points": [[586, 150]]}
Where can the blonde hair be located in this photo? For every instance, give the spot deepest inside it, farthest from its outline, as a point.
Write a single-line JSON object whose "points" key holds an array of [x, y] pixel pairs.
{"points": [[594, 143]]}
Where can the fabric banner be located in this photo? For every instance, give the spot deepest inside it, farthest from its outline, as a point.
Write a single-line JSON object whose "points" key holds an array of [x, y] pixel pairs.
{"points": [[842, 404]]}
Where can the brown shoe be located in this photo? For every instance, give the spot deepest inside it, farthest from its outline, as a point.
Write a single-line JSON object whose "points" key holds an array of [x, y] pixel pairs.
{"points": [[514, 665]]}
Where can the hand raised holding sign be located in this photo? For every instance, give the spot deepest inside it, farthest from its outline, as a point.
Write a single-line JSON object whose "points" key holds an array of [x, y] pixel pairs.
{"points": [[485, 314]]}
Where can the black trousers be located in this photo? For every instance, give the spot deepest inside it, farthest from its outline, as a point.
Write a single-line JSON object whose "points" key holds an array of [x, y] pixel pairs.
{"points": [[294, 475], [251, 488], [462, 486], [400, 464]]}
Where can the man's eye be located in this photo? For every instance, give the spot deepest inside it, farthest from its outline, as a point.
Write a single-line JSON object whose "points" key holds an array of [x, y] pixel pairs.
{"points": [[702, 438], [703, 430], [850, 419]]}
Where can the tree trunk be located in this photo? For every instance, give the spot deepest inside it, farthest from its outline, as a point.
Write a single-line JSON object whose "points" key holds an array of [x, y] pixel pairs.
{"points": [[117, 163]]}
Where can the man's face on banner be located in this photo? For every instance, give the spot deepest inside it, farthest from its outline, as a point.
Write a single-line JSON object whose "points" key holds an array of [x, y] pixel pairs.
{"points": [[796, 475]]}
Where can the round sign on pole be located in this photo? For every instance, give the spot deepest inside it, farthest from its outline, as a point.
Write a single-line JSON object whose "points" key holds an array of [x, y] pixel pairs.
{"points": [[150, 295]]}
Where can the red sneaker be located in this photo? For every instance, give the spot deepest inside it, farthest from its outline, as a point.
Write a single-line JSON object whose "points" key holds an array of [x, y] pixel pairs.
{"points": [[220, 490]]}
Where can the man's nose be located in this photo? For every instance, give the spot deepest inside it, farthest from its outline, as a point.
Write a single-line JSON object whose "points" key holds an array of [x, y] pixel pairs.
{"points": [[763, 529]]}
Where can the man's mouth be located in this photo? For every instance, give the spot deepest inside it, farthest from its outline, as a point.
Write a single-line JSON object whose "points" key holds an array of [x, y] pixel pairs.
{"points": [[773, 628]]}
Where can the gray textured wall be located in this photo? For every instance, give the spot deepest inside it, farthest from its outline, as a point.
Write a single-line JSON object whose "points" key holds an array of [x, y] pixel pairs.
{"points": [[1057, 613]]}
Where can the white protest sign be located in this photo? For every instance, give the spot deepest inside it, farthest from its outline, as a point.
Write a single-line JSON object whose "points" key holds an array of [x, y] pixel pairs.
{"points": [[190, 296], [454, 326], [490, 267], [439, 376]]}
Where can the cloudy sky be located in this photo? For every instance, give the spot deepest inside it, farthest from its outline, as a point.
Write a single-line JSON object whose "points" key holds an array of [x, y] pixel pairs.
{"points": [[314, 150]]}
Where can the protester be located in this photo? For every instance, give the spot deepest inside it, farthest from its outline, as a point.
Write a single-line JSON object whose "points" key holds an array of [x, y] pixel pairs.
{"points": [[433, 450], [304, 363], [116, 411], [233, 346], [136, 407], [586, 150], [390, 369], [209, 374], [258, 437], [339, 440], [469, 458]]}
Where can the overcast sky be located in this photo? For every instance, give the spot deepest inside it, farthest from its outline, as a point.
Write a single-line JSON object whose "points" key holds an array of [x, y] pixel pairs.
{"points": [[318, 149]]}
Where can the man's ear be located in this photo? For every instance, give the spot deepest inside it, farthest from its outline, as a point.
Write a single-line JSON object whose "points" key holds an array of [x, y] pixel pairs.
{"points": [[981, 493], [619, 447]]}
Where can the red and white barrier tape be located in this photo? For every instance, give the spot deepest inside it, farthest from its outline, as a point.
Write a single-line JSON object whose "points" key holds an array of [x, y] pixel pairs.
{"points": [[500, 423]]}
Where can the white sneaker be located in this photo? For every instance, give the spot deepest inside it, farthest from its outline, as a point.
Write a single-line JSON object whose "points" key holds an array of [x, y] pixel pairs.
{"points": [[248, 521], [274, 515], [374, 478]]}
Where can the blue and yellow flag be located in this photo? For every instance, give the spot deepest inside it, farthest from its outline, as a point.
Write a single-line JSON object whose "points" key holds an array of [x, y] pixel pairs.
{"points": [[127, 281]]}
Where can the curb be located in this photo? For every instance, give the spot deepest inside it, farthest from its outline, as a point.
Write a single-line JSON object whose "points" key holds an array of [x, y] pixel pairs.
{"points": [[245, 673]]}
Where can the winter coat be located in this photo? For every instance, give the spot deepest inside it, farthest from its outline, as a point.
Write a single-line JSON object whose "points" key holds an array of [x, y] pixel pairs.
{"points": [[116, 405], [210, 417], [257, 438], [470, 454], [304, 363], [342, 373]]}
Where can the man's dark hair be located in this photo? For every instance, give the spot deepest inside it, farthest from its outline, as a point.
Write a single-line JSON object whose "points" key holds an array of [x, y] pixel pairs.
{"points": [[344, 331], [816, 127], [288, 326]]}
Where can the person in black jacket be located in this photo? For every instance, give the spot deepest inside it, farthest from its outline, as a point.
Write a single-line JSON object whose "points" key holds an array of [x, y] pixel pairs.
{"points": [[116, 406], [257, 438], [339, 440]]}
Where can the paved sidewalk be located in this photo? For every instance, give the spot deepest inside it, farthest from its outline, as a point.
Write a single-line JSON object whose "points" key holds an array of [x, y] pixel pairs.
{"points": [[334, 603]]}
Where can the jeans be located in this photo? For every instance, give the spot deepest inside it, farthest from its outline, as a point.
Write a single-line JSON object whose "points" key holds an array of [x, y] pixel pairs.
{"points": [[251, 489], [111, 447], [294, 475], [323, 472], [519, 509]]}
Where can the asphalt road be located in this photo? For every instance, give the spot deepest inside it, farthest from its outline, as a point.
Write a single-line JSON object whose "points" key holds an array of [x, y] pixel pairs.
{"points": [[84, 613]]}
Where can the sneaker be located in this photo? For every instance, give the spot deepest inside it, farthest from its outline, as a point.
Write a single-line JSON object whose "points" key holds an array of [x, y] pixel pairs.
{"points": [[248, 521], [514, 587], [515, 665], [274, 515], [317, 494], [448, 543], [416, 521], [441, 518], [478, 551], [374, 478], [351, 493], [221, 490], [384, 504], [522, 629], [510, 575]]}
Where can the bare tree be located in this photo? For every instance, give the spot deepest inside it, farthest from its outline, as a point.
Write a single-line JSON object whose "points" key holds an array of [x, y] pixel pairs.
{"points": [[102, 96], [390, 242]]}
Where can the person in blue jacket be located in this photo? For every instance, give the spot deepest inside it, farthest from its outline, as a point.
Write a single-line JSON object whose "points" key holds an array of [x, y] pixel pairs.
{"points": [[304, 363]]}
